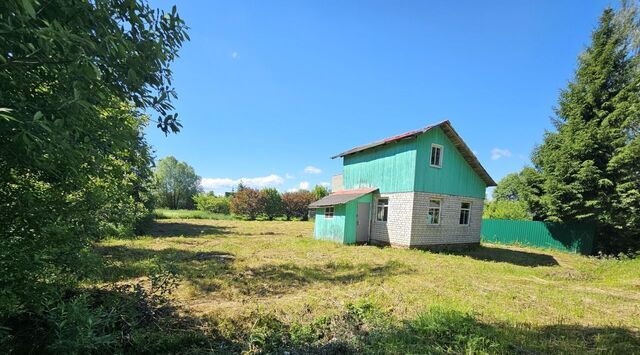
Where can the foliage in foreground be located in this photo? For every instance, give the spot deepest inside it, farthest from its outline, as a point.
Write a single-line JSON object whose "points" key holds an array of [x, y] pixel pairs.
{"points": [[139, 319], [75, 77]]}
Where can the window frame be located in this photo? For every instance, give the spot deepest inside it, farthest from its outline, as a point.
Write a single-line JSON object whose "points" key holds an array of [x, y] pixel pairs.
{"points": [[441, 155], [439, 208], [327, 214], [468, 209], [384, 206]]}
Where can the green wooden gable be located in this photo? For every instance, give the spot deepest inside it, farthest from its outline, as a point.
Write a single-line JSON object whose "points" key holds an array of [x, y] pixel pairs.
{"points": [[402, 164]]}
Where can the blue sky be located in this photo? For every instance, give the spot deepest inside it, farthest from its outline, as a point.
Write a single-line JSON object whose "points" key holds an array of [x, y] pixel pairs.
{"points": [[269, 90]]}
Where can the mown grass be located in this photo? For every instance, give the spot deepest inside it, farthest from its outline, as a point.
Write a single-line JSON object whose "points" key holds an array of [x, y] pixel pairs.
{"points": [[270, 287]]}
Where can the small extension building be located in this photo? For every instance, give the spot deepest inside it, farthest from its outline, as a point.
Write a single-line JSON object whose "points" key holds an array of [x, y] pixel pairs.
{"points": [[422, 189]]}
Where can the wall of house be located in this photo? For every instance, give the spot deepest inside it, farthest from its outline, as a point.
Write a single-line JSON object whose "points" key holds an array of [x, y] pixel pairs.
{"points": [[455, 177], [449, 231], [330, 228], [390, 168], [397, 230]]}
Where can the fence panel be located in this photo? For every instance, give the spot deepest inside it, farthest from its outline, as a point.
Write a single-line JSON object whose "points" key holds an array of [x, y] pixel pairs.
{"points": [[569, 237]]}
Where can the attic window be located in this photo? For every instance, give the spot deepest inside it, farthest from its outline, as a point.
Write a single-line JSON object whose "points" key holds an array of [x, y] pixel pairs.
{"points": [[328, 212], [436, 155]]}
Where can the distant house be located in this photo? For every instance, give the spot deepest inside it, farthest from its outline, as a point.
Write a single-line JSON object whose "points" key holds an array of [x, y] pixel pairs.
{"points": [[423, 188]]}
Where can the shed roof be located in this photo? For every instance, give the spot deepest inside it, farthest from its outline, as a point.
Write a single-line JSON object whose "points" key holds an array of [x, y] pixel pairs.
{"points": [[446, 127], [340, 197]]}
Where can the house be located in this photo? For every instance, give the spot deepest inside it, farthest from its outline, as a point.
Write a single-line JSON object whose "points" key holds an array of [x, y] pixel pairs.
{"points": [[420, 189]]}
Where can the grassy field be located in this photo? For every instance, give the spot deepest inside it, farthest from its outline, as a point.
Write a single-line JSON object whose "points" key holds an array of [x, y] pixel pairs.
{"points": [[270, 287], [190, 214]]}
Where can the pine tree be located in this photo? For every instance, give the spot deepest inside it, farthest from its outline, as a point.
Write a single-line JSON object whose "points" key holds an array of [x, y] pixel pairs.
{"points": [[590, 166]]}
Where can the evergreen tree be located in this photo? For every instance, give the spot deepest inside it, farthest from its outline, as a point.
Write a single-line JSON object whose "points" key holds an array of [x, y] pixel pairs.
{"points": [[589, 168]]}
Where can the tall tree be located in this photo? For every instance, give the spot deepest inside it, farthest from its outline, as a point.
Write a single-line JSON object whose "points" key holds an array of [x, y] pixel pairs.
{"points": [[319, 192], [176, 183], [587, 167], [75, 77]]}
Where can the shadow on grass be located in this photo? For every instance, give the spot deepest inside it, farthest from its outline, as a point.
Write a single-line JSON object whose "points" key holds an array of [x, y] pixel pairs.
{"points": [[122, 262], [208, 271], [178, 229], [503, 255], [274, 279]]}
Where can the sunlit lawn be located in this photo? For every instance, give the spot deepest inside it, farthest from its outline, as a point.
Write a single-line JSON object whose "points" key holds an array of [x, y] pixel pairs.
{"points": [[231, 269]]}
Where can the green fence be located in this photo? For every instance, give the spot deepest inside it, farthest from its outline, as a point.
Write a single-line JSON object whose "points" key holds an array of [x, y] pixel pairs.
{"points": [[570, 237]]}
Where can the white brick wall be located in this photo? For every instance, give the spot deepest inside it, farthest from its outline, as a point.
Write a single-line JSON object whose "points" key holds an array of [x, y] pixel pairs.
{"points": [[397, 229], [407, 220], [449, 231]]}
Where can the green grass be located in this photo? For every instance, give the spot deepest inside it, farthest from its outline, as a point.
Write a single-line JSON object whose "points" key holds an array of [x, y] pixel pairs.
{"points": [[259, 286], [190, 214]]}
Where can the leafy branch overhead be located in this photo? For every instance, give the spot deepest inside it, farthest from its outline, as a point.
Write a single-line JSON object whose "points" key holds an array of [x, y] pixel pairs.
{"points": [[81, 54]]}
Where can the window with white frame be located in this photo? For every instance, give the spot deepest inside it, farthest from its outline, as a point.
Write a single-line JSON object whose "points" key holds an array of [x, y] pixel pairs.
{"points": [[433, 214], [465, 211], [382, 210], [436, 155], [328, 212]]}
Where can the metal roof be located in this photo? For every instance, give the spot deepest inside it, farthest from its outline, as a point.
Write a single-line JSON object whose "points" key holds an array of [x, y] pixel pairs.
{"points": [[462, 147], [340, 197]]}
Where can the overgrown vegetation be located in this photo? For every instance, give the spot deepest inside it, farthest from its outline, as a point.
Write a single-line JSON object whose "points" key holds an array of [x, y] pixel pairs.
{"points": [[209, 202], [75, 79], [268, 287]]}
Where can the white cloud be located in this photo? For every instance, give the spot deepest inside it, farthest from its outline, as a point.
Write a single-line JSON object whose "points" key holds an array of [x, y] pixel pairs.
{"points": [[304, 185], [325, 184], [234, 55], [497, 153], [312, 170], [226, 184], [288, 176]]}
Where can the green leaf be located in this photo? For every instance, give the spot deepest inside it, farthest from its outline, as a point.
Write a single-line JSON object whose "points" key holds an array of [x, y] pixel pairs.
{"points": [[28, 8]]}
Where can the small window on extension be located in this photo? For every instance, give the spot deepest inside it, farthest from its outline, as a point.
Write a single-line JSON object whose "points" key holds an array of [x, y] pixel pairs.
{"points": [[328, 212], [436, 155]]}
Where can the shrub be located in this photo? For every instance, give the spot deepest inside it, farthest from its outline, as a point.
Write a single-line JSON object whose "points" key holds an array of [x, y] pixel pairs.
{"points": [[504, 209], [296, 204], [212, 203], [271, 203], [246, 202]]}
